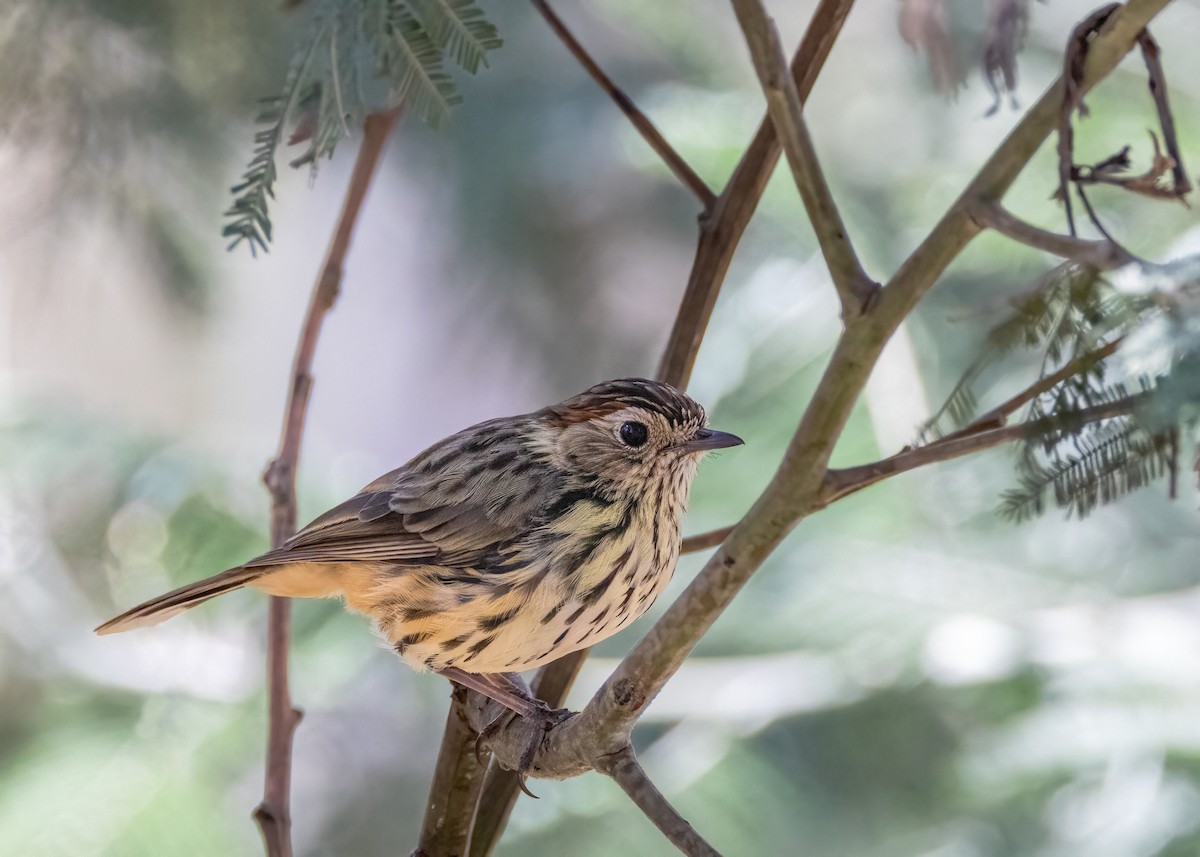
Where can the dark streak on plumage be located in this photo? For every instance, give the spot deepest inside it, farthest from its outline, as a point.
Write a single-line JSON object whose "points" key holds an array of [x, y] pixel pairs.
{"points": [[454, 642], [411, 640], [477, 648], [414, 614], [491, 623], [566, 502], [594, 594]]}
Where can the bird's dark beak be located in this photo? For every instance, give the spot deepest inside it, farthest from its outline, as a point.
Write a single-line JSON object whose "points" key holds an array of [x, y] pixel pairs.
{"points": [[707, 439]]}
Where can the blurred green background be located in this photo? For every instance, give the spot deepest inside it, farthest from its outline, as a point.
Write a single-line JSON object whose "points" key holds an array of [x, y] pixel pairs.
{"points": [[909, 676]]}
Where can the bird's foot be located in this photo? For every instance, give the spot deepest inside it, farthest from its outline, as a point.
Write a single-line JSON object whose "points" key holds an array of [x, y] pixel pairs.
{"points": [[538, 723], [509, 690]]}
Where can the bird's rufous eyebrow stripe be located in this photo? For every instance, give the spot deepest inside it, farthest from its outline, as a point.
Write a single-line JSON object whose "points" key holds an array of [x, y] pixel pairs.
{"points": [[604, 399]]}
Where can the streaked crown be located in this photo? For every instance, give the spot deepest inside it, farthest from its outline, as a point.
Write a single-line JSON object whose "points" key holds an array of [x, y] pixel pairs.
{"points": [[677, 408]]}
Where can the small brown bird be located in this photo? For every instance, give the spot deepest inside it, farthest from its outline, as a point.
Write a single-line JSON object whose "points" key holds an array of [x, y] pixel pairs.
{"points": [[502, 547]]}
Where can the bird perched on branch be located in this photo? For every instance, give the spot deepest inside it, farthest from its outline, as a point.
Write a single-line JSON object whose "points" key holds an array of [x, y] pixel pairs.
{"points": [[502, 547]]}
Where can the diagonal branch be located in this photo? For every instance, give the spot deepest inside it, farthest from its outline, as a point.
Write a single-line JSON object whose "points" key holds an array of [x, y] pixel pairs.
{"points": [[273, 814], [999, 415], [625, 771], [674, 161], [798, 487], [987, 430], [721, 231], [846, 481], [1101, 255], [854, 287]]}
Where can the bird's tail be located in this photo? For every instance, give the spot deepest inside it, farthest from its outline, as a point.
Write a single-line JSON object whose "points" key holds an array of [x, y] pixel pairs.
{"points": [[177, 600]]}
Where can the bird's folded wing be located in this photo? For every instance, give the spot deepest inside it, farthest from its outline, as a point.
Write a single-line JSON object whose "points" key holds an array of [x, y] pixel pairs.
{"points": [[378, 527]]}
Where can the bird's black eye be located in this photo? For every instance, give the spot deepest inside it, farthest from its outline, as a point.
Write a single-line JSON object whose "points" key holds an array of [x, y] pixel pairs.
{"points": [[634, 434]]}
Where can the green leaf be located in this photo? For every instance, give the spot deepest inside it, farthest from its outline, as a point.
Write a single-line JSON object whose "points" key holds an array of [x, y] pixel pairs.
{"points": [[250, 215], [359, 57], [460, 29], [413, 63]]}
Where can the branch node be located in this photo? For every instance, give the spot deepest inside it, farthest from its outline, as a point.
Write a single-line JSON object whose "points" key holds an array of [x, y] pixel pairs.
{"points": [[622, 766], [1103, 255], [855, 289]]}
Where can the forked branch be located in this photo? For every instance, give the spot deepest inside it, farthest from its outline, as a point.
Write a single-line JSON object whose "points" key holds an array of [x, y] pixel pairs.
{"points": [[722, 231], [855, 289]]}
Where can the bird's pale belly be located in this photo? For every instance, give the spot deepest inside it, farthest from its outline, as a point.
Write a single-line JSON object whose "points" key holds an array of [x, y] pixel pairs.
{"points": [[496, 624]]}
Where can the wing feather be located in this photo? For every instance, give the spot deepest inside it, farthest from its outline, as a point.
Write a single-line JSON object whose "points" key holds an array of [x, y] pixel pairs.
{"points": [[420, 515]]}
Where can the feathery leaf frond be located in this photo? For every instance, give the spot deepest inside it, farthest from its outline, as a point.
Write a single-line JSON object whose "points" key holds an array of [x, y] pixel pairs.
{"points": [[460, 29], [359, 57], [251, 220]]}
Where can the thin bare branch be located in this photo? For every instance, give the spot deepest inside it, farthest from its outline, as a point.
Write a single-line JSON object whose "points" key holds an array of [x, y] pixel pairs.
{"points": [[721, 231], [674, 161], [1101, 255], [625, 771], [704, 541], [273, 814], [1074, 63], [846, 481], [1181, 184], [998, 415], [855, 289]]}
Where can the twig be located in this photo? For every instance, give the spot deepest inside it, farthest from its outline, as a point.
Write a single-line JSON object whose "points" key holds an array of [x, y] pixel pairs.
{"points": [[721, 231], [846, 481], [951, 445], [1101, 255], [998, 415], [704, 541], [1166, 120], [798, 487], [854, 287], [625, 771], [1109, 171], [273, 814], [454, 789], [1074, 63], [674, 161]]}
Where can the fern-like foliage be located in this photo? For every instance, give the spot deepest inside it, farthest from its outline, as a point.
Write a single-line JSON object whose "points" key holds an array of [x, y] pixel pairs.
{"points": [[357, 57], [249, 216], [1067, 315], [459, 28], [1067, 460], [1093, 469]]}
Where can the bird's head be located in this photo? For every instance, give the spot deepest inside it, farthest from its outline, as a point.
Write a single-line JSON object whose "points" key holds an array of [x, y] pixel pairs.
{"points": [[632, 432]]}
